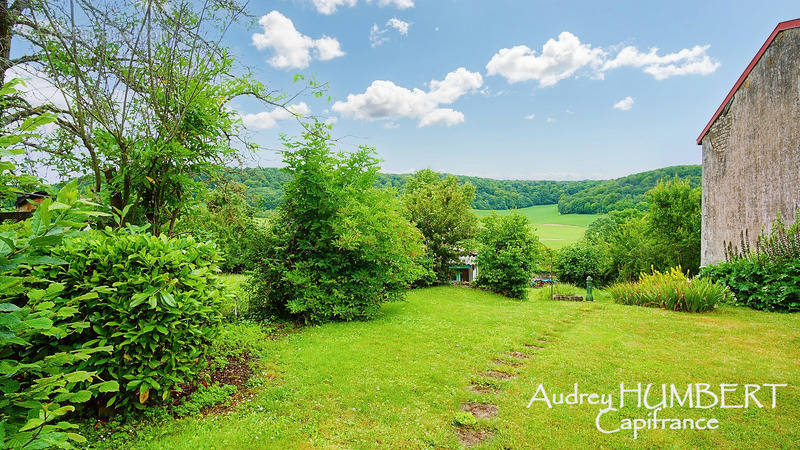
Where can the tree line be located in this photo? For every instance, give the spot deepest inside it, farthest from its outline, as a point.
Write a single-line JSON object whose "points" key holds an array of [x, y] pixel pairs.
{"points": [[264, 187]]}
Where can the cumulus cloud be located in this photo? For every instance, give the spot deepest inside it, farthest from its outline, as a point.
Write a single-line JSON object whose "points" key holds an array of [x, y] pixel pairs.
{"points": [[559, 59], [330, 6], [269, 119], [565, 56], [530, 116], [385, 100], [689, 61], [290, 48], [378, 35], [624, 104]]}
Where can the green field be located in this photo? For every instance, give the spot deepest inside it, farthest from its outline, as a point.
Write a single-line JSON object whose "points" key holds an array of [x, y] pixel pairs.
{"points": [[402, 379], [555, 230]]}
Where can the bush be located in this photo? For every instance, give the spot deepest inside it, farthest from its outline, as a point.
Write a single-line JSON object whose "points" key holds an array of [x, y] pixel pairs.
{"points": [[766, 277], [671, 290], [205, 397], [41, 384], [507, 254], [227, 220], [154, 299], [338, 247], [578, 261]]}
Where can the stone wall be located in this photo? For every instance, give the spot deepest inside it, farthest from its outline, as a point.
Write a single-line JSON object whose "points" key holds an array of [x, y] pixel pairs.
{"points": [[751, 155]]}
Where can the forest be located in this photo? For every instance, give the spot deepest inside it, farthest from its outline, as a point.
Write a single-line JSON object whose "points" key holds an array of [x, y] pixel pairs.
{"points": [[573, 197]]}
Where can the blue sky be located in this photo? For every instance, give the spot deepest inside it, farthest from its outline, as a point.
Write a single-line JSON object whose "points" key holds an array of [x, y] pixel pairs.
{"points": [[501, 105]]}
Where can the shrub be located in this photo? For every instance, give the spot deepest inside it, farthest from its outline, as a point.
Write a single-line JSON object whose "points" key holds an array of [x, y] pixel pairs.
{"points": [[338, 246], [766, 277], [507, 253], [42, 384], [671, 290], [154, 299], [576, 262], [227, 220]]}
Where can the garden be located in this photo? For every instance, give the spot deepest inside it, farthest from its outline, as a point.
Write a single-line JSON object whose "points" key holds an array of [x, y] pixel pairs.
{"points": [[144, 305]]}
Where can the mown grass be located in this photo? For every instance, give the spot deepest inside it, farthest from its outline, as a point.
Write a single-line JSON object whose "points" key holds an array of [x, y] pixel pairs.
{"points": [[555, 230], [400, 380]]}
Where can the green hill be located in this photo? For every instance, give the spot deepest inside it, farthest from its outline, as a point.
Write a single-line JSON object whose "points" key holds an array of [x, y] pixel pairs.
{"points": [[554, 229], [572, 197]]}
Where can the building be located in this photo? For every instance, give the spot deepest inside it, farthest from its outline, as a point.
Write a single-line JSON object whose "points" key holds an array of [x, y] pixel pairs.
{"points": [[465, 269], [28, 202], [751, 148]]}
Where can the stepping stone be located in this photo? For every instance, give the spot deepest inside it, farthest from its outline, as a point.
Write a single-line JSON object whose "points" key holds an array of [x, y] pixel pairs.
{"points": [[470, 437], [482, 389], [480, 410], [507, 362], [517, 355], [499, 375]]}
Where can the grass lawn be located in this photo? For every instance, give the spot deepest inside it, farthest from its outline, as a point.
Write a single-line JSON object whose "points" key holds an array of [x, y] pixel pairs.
{"points": [[401, 379], [555, 230]]}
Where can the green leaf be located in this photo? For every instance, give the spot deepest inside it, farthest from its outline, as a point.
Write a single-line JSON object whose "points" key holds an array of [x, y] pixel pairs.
{"points": [[108, 386]]}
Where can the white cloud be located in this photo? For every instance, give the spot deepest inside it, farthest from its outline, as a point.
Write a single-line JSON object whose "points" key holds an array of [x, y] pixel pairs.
{"points": [[377, 35], [559, 59], [385, 100], [390, 125], [292, 49], [38, 89], [330, 6], [269, 119], [530, 116], [565, 56], [693, 61], [399, 25], [550, 120], [624, 104]]}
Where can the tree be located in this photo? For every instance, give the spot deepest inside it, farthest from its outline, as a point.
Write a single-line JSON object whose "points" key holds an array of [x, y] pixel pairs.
{"points": [[338, 246], [674, 217], [143, 92], [507, 254], [580, 260], [441, 209]]}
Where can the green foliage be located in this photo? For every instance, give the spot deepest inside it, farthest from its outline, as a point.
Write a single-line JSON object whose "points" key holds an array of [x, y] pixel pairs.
{"points": [[154, 299], [768, 276], [624, 193], [673, 216], [338, 246], [43, 383], [440, 208], [582, 197], [205, 397], [666, 235], [507, 254], [464, 419], [227, 220], [580, 260], [671, 290]]}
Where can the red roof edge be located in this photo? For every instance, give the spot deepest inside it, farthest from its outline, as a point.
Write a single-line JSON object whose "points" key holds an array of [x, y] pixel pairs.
{"points": [[781, 27]]}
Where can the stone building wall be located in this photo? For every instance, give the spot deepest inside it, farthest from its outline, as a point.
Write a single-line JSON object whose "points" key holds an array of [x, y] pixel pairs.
{"points": [[751, 154]]}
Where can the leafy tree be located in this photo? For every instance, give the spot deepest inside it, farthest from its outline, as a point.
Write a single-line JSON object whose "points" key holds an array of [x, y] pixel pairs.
{"points": [[440, 209], [338, 246], [143, 95], [674, 217], [226, 219], [578, 261], [507, 254]]}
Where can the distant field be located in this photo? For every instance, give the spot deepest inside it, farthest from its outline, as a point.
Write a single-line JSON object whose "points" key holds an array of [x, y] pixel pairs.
{"points": [[554, 229]]}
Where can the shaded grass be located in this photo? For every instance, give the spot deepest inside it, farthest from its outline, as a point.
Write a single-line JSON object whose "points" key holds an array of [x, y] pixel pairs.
{"points": [[400, 380], [555, 230]]}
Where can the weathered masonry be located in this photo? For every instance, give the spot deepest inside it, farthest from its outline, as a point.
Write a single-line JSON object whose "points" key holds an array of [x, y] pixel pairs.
{"points": [[751, 147]]}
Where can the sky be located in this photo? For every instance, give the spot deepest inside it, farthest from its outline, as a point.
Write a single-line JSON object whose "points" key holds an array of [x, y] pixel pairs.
{"points": [[502, 89]]}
